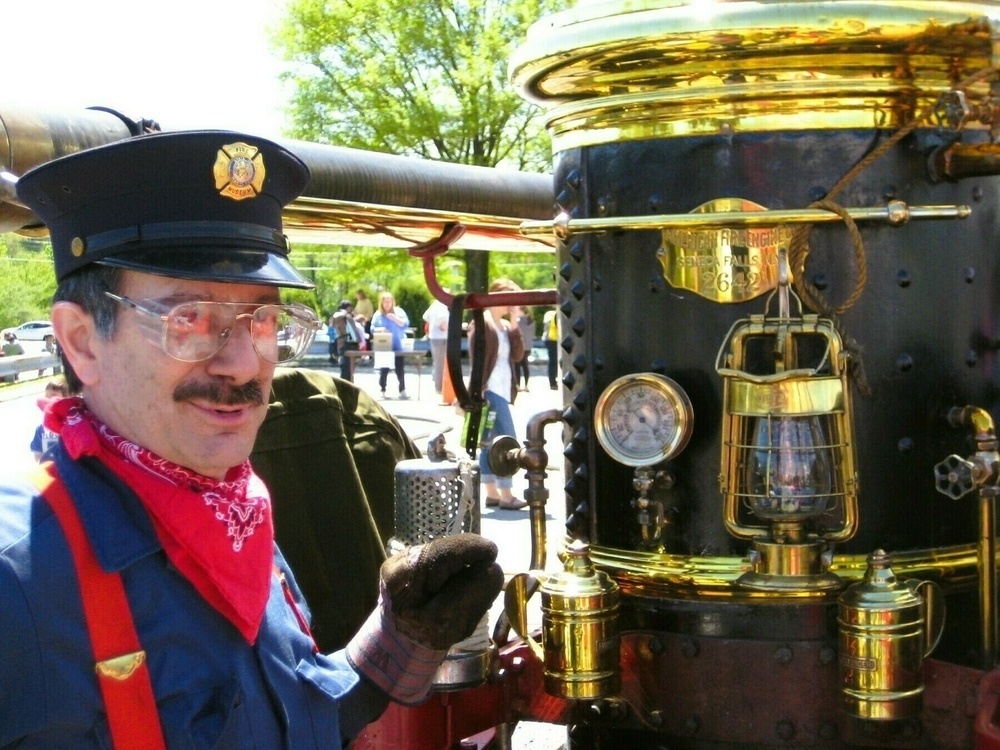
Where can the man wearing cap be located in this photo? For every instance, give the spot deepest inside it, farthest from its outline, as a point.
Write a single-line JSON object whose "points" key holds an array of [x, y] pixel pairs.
{"points": [[142, 600]]}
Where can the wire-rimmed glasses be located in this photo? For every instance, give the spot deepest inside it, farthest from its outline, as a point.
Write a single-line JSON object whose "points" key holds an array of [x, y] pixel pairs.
{"points": [[196, 330]]}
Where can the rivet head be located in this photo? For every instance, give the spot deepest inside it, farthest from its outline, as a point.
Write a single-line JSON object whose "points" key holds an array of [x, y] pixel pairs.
{"points": [[783, 655], [77, 247], [785, 730]]}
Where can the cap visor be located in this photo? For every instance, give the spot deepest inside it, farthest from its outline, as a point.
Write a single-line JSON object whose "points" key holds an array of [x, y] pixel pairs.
{"points": [[227, 264]]}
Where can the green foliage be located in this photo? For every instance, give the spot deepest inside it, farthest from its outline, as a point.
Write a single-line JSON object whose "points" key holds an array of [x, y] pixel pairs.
{"points": [[27, 281], [340, 271], [425, 79]]}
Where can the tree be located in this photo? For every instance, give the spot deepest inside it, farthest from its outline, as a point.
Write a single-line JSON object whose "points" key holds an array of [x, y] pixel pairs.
{"points": [[424, 79], [26, 280]]}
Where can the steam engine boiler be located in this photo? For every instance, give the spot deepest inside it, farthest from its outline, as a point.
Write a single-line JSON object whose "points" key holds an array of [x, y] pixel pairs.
{"points": [[778, 288]]}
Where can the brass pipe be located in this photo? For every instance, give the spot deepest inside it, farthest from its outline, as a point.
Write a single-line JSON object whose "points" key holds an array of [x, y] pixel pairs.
{"points": [[506, 457], [987, 461], [671, 575], [535, 459], [896, 213], [987, 550]]}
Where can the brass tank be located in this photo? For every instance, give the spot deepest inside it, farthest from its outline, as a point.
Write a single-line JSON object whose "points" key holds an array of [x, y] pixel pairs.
{"points": [[696, 144]]}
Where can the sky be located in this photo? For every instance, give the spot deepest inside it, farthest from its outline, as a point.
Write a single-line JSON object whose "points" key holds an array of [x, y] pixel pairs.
{"points": [[184, 63]]}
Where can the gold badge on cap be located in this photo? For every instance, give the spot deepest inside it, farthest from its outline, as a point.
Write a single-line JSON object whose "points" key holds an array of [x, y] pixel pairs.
{"points": [[239, 171]]}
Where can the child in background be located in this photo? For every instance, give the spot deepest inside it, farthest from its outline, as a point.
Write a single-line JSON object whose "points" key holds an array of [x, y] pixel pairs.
{"points": [[44, 438]]}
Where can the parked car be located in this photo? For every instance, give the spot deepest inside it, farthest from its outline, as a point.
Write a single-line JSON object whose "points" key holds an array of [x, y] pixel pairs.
{"points": [[33, 330]]}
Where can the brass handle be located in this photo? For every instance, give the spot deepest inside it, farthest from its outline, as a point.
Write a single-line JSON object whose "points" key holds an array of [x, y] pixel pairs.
{"points": [[933, 612], [519, 589]]}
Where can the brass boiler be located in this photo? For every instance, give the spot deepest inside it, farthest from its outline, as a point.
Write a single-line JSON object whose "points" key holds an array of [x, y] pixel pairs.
{"points": [[665, 117], [887, 628], [687, 135]]}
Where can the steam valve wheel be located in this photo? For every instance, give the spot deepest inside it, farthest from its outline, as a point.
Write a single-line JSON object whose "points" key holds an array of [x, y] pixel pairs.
{"points": [[954, 477]]}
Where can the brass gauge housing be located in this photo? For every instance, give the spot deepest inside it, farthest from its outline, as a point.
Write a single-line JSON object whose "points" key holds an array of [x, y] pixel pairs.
{"points": [[643, 419]]}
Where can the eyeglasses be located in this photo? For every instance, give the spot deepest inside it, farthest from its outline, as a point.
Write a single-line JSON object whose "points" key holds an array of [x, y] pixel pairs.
{"points": [[196, 330]]}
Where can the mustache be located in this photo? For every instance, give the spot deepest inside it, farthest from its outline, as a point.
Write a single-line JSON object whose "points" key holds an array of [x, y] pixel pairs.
{"points": [[220, 393]]}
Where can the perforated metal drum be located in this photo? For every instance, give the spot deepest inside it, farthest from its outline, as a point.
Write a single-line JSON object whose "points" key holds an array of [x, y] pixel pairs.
{"points": [[436, 496]]}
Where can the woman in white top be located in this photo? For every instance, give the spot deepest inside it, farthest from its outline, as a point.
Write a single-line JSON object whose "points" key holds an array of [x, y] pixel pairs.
{"points": [[503, 349]]}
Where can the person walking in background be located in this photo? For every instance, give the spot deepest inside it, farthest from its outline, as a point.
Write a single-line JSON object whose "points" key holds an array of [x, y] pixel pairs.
{"points": [[51, 347], [393, 319], [502, 349], [331, 334], [44, 438], [550, 331], [350, 337], [436, 324], [363, 310], [526, 327]]}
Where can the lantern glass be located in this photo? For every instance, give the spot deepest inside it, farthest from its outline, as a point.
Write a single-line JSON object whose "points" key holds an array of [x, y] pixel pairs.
{"points": [[789, 469]]}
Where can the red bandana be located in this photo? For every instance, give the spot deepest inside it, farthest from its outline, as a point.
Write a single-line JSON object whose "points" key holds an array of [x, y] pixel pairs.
{"points": [[218, 533]]}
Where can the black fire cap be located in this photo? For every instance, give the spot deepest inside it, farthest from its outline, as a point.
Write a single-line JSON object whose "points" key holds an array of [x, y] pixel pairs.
{"points": [[187, 204]]}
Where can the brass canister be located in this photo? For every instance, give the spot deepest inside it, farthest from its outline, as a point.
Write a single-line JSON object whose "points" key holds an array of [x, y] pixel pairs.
{"points": [[887, 628], [580, 639]]}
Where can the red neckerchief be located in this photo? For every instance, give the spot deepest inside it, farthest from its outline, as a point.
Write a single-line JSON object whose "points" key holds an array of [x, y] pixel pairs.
{"points": [[217, 533]]}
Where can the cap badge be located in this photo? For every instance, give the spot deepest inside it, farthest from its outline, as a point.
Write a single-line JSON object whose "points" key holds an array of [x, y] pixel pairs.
{"points": [[239, 171]]}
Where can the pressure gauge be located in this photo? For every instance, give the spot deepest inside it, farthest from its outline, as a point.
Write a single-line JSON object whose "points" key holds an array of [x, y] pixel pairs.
{"points": [[643, 419]]}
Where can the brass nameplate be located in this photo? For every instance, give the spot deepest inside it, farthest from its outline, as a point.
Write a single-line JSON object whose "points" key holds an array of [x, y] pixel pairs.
{"points": [[728, 264]]}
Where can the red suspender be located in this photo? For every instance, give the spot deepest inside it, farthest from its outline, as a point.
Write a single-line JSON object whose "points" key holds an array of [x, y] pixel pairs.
{"points": [[290, 601], [120, 662]]}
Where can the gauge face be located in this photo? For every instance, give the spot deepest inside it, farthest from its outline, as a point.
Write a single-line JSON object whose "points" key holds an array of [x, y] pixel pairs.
{"points": [[643, 419]]}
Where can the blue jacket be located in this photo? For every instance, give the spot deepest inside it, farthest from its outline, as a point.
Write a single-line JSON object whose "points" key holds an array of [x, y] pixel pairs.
{"points": [[213, 690], [398, 330]]}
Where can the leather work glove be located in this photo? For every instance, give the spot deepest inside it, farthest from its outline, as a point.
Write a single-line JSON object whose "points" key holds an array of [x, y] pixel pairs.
{"points": [[438, 592], [432, 596]]}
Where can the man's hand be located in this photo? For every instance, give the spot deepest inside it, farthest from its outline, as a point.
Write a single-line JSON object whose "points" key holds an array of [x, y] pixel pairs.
{"points": [[438, 592]]}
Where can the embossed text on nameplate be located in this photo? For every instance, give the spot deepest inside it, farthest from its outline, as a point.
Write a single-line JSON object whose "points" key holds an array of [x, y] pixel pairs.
{"points": [[724, 264]]}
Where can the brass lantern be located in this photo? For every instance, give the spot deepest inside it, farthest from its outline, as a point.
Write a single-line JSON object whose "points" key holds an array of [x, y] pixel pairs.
{"points": [[788, 455]]}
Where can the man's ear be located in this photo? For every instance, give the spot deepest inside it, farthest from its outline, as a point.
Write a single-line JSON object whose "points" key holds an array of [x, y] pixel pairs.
{"points": [[78, 339]]}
